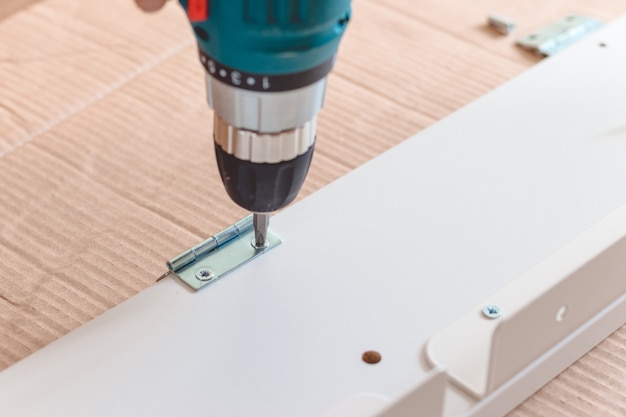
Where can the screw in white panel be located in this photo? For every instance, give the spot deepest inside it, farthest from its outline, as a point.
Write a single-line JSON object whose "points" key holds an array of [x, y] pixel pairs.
{"points": [[492, 311]]}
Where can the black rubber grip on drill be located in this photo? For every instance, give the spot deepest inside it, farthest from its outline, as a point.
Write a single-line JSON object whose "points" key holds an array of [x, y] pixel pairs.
{"points": [[262, 188]]}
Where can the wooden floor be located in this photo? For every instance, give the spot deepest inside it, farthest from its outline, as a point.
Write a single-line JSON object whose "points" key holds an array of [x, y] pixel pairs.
{"points": [[104, 128]]}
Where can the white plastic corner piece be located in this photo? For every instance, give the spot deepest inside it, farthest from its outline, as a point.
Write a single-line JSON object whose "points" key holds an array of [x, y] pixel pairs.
{"points": [[539, 309]]}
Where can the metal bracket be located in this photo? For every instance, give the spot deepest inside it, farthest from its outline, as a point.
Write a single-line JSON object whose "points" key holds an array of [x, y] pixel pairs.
{"points": [[553, 38], [220, 254]]}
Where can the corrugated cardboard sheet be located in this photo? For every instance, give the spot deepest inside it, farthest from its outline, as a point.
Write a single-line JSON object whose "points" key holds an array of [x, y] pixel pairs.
{"points": [[107, 168]]}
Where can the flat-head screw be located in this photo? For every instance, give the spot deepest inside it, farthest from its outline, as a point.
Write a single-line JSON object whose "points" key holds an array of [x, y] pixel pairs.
{"points": [[204, 274], [492, 311]]}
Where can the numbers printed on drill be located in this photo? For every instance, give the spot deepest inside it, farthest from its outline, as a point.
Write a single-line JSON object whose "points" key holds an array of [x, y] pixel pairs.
{"points": [[261, 82], [234, 77], [212, 67]]}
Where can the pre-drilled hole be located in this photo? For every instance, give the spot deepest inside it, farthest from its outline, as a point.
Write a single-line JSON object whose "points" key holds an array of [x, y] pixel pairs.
{"points": [[372, 357]]}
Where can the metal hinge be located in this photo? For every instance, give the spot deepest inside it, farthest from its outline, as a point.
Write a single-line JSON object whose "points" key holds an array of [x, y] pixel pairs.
{"points": [[220, 254], [553, 38]]}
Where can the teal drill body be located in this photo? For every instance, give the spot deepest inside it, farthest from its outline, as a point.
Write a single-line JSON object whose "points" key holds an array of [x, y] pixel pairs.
{"points": [[270, 36], [267, 63]]}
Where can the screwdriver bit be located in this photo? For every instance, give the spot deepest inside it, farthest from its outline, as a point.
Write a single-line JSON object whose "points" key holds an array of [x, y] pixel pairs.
{"points": [[261, 222]]}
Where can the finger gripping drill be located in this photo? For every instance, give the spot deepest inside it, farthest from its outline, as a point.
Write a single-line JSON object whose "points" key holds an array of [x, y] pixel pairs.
{"points": [[266, 65]]}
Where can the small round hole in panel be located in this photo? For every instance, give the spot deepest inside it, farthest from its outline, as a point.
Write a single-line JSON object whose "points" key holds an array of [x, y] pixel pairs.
{"points": [[372, 357]]}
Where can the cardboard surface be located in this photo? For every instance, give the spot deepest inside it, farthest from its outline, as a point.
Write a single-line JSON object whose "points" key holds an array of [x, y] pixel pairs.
{"points": [[8, 7], [107, 167]]}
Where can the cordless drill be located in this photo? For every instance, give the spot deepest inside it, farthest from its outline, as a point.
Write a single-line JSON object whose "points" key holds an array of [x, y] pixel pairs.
{"points": [[266, 63]]}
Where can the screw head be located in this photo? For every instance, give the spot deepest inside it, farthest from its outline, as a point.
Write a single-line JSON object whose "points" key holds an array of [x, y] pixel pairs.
{"points": [[492, 311], [265, 245], [204, 274]]}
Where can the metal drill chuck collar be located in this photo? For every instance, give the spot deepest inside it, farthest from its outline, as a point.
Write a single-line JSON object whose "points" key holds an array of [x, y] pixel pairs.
{"points": [[268, 148]]}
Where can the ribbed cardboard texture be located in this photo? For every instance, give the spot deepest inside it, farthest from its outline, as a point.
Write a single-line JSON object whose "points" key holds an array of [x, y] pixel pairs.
{"points": [[8, 7], [106, 161]]}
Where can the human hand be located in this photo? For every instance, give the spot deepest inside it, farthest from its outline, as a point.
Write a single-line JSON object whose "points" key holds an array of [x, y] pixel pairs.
{"points": [[150, 5]]}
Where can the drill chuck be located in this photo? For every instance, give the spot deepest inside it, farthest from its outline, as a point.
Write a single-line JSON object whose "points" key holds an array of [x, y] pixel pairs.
{"points": [[264, 141], [262, 187], [263, 172]]}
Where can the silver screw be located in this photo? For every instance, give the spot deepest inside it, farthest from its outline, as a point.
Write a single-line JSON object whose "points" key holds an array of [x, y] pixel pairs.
{"points": [[261, 222], [204, 274], [492, 311]]}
